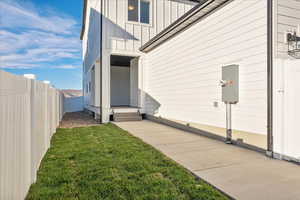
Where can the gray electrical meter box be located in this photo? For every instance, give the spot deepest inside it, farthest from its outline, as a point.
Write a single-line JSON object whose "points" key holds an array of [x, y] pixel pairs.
{"points": [[230, 84]]}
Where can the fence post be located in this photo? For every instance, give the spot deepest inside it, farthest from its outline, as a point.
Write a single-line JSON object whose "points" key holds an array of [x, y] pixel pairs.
{"points": [[48, 118], [33, 166]]}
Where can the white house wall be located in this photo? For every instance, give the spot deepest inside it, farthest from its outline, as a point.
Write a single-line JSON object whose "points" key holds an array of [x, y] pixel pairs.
{"points": [[121, 35], [98, 84], [91, 39], [92, 97], [91, 45], [86, 94], [183, 74], [125, 38]]}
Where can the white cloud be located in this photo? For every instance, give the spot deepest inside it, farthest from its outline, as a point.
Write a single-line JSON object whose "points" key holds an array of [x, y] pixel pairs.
{"points": [[29, 39], [18, 65], [16, 15], [66, 67]]}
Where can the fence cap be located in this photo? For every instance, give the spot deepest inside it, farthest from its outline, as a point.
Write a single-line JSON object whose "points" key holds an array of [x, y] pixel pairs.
{"points": [[30, 76]]}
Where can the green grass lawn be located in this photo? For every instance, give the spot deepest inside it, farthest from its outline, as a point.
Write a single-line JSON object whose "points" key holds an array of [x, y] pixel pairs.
{"points": [[106, 162]]}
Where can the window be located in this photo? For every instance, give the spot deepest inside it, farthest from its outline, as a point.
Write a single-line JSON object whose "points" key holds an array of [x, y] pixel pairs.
{"points": [[90, 87], [139, 11], [133, 10], [145, 11]]}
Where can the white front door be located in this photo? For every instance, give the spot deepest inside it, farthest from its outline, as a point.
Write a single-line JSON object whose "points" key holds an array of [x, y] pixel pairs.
{"points": [[120, 86]]}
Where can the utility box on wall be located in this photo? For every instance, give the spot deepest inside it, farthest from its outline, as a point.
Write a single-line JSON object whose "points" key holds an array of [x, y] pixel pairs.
{"points": [[230, 84]]}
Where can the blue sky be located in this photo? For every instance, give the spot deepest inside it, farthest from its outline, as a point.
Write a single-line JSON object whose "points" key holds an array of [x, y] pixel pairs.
{"points": [[41, 37]]}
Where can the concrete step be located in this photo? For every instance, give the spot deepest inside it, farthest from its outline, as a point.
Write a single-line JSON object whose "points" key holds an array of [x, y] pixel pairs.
{"points": [[127, 114], [123, 117]]}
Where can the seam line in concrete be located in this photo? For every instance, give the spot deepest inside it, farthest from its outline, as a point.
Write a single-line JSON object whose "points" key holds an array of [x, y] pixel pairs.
{"points": [[216, 167]]}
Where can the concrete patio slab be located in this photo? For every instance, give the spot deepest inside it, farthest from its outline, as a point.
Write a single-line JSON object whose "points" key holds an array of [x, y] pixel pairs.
{"points": [[241, 173]]}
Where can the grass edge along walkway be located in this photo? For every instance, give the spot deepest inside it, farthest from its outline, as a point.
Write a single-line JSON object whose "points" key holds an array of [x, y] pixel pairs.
{"points": [[106, 162]]}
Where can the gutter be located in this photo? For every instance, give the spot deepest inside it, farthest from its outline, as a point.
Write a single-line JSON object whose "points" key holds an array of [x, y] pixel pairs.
{"points": [[197, 13], [179, 21], [270, 78], [101, 58], [83, 19]]}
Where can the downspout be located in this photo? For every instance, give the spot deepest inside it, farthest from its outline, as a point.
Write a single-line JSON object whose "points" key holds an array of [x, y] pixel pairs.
{"points": [[101, 57], [270, 78]]}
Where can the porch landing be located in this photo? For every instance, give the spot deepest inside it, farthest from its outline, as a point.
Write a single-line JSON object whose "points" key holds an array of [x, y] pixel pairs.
{"points": [[241, 173], [125, 109]]}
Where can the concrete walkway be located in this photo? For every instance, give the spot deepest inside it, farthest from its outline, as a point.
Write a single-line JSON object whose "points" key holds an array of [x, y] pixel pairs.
{"points": [[240, 173]]}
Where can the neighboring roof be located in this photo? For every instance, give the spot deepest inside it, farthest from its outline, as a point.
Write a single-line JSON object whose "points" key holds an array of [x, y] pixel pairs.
{"points": [[72, 93], [196, 14], [84, 15]]}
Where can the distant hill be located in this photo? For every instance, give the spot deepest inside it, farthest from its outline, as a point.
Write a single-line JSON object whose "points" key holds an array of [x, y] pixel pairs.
{"points": [[72, 93]]}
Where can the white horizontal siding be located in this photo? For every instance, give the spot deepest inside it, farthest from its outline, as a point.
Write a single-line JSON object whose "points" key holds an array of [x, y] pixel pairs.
{"points": [[182, 75], [287, 18]]}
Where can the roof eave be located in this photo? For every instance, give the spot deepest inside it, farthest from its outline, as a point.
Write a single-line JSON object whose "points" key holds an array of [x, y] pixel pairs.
{"points": [[85, 10], [183, 23]]}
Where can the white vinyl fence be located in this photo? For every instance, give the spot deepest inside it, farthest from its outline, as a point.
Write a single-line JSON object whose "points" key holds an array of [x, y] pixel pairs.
{"points": [[30, 112]]}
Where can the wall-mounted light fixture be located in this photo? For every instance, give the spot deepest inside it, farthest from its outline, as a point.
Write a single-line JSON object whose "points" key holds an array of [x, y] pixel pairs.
{"points": [[293, 41], [130, 7]]}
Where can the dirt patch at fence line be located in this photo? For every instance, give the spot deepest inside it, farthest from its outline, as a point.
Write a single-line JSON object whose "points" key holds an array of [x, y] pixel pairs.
{"points": [[78, 119]]}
